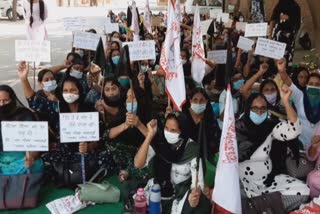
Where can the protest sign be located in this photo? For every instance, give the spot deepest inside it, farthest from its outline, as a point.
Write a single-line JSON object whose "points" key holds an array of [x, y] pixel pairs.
{"points": [[256, 29], [24, 136], [245, 43], [74, 23], [141, 50], [111, 27], [205, 26], [219, 57], [97, 23], [85, 40], [214, 13], [224, 17], [32, 51], [79, 127], [156, 21], [270, 48]]}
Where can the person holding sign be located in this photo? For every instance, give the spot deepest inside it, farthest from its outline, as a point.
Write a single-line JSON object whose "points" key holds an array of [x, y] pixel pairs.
{"points": [[13, 163], [68, 155]]}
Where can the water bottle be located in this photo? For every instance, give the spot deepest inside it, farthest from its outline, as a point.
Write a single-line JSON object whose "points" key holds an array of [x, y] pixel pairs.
{"points": [[155, 200], [140, 202]]}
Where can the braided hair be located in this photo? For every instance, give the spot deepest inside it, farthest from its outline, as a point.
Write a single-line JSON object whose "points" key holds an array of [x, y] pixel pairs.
{"points": [[41, 6]]}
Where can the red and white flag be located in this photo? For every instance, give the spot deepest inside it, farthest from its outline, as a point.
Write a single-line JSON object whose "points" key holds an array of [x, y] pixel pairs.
{"points": [[135, 22], [147, 17], [198, 56], [226, 192], [170, 60]]}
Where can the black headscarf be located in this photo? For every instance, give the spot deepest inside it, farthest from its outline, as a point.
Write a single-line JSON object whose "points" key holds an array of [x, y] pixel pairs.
{"points": [[8, 110], [167, 154]]}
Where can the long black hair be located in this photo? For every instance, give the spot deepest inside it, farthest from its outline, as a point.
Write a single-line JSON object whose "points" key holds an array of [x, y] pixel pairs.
{"points": [[41, 6]]}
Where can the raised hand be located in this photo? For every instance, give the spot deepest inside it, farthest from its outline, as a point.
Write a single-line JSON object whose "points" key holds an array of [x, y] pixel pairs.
{"points": [[263, 68], [285, 93], [23, 70], [152, 127], [281, 65]]}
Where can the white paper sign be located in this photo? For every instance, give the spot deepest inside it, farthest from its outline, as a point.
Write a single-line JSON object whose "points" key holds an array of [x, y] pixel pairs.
{"points": [[223, 16], [241, 26], [219, 56], [84, 40], [141, 50], [74, 23], [32, 51], [111, 27], [214, 13], [79, 127], [256, 29], [205, 26], [245, 43], [25, 136], [97, 23], [270, 48]]}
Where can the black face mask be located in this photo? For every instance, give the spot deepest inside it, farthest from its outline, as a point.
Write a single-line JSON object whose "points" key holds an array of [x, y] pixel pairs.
{"points": [[7, 108], [113, 101]]}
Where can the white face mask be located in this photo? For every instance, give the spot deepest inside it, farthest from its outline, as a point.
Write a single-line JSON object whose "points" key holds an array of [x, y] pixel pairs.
{"points": [[80, 52], [70, 98], [49, 86], [271, 98], [198, 108], [172, 138], [183, 61], [76, 74]]}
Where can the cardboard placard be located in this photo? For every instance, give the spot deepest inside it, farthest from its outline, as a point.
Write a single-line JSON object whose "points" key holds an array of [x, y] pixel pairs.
{"points": [[141, 50], [256, 29], [270, 48], [74, 23], [245, 43], [214, 13], [79, 127], [25, 136], [32, 51], [205, 26], [219, 56], [111, 27], [85, 40]]}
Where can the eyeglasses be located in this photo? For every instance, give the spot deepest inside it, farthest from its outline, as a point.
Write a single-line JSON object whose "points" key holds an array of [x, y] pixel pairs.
{"points": [[257, 109]]}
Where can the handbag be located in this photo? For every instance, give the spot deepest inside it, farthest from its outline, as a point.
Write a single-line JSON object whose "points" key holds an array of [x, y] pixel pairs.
{"points": [[299, 168], [68, 174], [99, 192], [19, 191], [270, 203]]}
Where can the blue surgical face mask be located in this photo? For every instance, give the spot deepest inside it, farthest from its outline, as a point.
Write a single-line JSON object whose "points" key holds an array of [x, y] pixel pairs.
{"points": [[132, 107], [234, 55], [115, 60], [198, 108], [125, 82], [237, 84], [258, 119], [143, 68]]}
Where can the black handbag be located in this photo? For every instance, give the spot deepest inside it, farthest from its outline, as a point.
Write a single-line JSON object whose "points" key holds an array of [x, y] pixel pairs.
{"points": [[19, 191], [270, 203], [68, 174]]}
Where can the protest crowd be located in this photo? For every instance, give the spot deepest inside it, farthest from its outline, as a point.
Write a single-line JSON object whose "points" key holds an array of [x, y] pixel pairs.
{"points": [[165, 113]]}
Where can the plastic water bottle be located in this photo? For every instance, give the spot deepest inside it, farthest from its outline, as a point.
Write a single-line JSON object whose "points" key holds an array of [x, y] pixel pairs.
{"points": [[140, 202], [155, 200]]}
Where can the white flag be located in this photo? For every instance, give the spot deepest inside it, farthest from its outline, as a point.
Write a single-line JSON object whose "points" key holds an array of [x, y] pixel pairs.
{"points": [[135, 22], [227, 188], [147, 17], [198, 56], [170, 60]]}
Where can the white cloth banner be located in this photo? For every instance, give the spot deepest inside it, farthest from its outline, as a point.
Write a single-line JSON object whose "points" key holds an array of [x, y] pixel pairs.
{"points": [[170, 60], [227, 188], [147, 17], [135, 22], [198, 56]]}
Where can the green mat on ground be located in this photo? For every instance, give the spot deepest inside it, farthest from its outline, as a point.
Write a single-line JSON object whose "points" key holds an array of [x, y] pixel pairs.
{"points": [[50, 193]]}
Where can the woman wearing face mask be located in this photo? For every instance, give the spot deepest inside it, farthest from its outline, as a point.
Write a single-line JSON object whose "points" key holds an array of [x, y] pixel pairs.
{"points": [[67, 154], [13, 163], [306, 102], [186, 64], [114, 64], [300, 78], [268, 88], [257, 135], [174, 164], [44, 100], [66, 64]]}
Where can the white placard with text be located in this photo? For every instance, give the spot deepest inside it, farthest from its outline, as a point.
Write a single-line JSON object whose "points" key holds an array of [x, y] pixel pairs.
{"points": [[141, 50], [85, 40], [32, 51], [256, 29], [219, 56], [245, 43], [270, 48]]}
